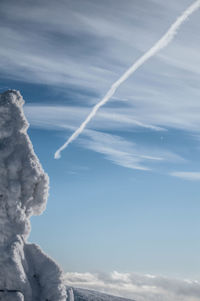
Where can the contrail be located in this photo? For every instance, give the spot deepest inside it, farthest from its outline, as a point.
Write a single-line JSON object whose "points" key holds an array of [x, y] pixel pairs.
{"points": [[163, 42]]}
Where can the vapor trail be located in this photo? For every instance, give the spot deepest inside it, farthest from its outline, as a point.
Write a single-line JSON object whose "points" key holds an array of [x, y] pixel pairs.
{"points": [[163, 42]]}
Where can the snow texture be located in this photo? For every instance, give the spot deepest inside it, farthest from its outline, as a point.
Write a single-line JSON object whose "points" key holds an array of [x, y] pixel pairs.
{"points": [[26, 273], [77, 294]]}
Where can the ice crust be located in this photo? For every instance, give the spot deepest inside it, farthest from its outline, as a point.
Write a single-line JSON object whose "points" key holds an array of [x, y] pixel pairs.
{"points": [[26, 272]]}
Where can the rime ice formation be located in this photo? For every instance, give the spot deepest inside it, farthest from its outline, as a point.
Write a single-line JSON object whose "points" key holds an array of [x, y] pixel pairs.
{"points": [[26, 273]]}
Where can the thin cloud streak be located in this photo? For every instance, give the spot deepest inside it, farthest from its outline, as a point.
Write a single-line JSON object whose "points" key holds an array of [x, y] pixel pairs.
{"points": [[186, 175], [45, 116], [162, 43], [125, 153], [114, 148], [158, 116]]}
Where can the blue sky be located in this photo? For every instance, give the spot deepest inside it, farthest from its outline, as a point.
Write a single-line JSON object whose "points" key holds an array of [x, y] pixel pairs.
{"points": [[125, 194]]}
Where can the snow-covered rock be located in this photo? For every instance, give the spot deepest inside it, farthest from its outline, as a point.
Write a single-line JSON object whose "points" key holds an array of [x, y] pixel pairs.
{"points": [[26, 273], [78, 294], [11, 296]]}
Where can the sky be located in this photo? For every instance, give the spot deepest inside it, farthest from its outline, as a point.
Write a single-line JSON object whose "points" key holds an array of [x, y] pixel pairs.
{"points": [[125, 195]]}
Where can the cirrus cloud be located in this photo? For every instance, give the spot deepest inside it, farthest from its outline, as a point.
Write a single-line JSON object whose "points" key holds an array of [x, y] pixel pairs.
{"points": [[186, 175]]}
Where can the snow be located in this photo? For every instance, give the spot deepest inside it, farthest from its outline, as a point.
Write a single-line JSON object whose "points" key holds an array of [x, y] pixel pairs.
{"points": [[70, 294], [25, 271], [11, 296], [77, 294]]}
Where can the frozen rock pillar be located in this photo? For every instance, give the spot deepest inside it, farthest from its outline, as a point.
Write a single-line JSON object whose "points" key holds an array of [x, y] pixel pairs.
{"points": [[26, 273]]}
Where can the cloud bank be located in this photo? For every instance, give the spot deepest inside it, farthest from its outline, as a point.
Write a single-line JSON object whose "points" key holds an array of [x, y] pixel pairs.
{"points": [[163, 42], [137, 287]]}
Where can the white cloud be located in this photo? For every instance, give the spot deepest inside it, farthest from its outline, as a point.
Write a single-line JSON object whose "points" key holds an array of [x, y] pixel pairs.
{"points": [[115, 148], [62, 117], [125, 153], [186, 175], [151, 114], [160, 96], [137, 287], [160, 44], [86, 45]]}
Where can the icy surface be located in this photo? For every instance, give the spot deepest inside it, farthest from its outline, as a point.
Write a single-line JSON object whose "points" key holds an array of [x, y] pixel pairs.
{"points": [[26, 273], [77, 294]]}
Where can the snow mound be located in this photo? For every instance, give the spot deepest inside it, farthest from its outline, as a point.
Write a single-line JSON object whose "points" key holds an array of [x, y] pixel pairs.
{"points": [[26, 273], [78, 294]]}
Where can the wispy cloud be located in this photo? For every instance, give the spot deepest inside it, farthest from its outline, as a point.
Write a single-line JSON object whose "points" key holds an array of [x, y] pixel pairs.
{"points": [[117, 150], [162, 43], [69, 116], [120, 151], [156, 116], [86, 48], [137, 287], [74, 46], [125, 153], [186, 175]]}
